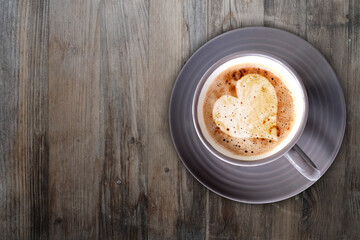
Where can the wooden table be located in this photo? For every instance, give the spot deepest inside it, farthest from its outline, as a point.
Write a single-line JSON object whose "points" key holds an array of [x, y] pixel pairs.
{"points": [[85, 148]]}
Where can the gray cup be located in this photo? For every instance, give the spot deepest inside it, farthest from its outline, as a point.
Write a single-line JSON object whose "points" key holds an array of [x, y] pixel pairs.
{"points": [[287, 147]]}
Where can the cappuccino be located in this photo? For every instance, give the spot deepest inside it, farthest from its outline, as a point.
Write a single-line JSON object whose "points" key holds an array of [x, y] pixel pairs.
{"points": [[248, 110]]}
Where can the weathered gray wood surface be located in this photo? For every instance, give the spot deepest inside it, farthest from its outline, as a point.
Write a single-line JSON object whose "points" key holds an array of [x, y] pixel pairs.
{"points": [[85, 148]]}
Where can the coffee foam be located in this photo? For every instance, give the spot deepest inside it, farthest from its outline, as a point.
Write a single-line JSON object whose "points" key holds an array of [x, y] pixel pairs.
{"points": [[252, 114], [287, 78]]}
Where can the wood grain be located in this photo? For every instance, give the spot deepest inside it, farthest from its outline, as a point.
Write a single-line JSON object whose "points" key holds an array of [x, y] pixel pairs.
{"points": [[165, 52], [24, 120], [218, 18], [191, 221], [76, 148], [247, 13], [85, 148], [289, 16], [350, 150], [9, 60], [226, 217], [10, 188], [323, 203], [124, 85]]}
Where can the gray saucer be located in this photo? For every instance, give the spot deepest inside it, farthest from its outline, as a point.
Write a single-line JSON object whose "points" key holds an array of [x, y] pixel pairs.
{"points": [[321, 139]]}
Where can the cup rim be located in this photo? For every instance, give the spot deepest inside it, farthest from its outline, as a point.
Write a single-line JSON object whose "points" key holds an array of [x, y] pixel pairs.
{"points": [[265, 160]]}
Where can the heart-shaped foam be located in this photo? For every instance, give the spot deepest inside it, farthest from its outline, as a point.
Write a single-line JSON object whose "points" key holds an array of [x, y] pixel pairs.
{"points": [[253, 113]]}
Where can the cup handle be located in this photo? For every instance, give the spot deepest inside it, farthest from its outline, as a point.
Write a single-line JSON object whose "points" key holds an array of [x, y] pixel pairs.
{"points": [[303, 163]]}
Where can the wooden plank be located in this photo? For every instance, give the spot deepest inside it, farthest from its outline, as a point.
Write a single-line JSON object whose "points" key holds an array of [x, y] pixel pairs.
{"points": [[124, 82], [220, 211], [218, 18], [194, 33], [287, 215], [191, 220], [10, 198], [247, 13], [24, 122], [228, 219], [165, 55], [351, 197], [286, 15], [327, 30], [75, 130]]}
